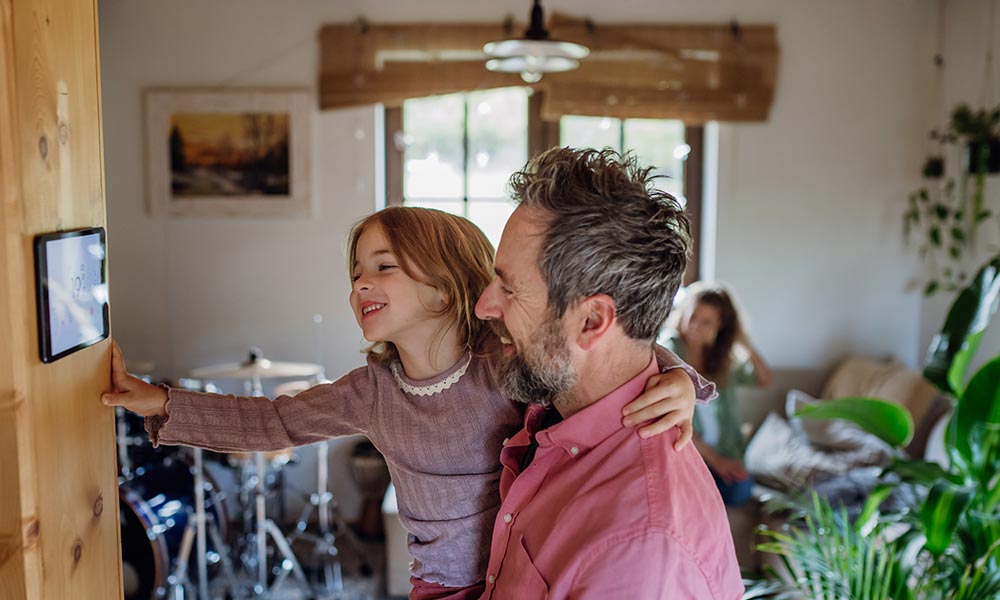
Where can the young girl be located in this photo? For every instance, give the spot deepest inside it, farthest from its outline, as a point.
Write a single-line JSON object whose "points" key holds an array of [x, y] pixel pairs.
{"points": [[707, 331], [427, 397]]}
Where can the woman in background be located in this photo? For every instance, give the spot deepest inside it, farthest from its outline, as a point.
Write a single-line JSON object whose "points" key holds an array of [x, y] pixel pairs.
{"points": [[707, 332]]}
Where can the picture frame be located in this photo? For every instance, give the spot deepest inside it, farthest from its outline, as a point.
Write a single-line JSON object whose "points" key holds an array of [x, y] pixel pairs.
{"points": [[228, 152]]}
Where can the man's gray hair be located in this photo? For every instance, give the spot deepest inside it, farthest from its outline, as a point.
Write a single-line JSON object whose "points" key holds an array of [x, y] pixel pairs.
{"points": [[609, 231]]}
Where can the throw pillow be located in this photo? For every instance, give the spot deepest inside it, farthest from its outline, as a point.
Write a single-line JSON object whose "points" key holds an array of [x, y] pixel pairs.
{"points": [[832, 434], [778, 456]]}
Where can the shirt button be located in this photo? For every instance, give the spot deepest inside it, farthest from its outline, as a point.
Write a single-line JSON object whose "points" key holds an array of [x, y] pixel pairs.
{"points": [[507, 518], [491, 578], [574, 450]]}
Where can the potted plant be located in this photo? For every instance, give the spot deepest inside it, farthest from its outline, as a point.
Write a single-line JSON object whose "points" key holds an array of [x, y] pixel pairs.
{"points": [[947, 212], [947, 546], [978, 129]]}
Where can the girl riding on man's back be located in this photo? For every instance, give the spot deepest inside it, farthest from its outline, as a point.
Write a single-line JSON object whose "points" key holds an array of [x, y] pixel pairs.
{"points": [[427, 398]]}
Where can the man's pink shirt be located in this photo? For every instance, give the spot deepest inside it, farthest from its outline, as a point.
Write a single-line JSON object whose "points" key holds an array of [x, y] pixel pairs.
{"points": [[603, 513]]}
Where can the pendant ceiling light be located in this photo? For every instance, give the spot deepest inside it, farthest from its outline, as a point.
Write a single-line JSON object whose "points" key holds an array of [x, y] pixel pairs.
{"points": [[535, 53]]}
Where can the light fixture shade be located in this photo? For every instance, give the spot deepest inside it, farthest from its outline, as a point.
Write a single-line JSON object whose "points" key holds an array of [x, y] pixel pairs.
{"points": [[535, 53], [538, 48], [517, 64], [531, 67]]}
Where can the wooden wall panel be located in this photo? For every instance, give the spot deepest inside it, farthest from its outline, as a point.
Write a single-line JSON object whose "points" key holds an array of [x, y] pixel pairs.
{"points": [[59, 533], [15, 576]]}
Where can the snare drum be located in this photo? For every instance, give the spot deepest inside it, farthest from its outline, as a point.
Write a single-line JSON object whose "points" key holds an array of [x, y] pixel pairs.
{"points": [[155, 507]]}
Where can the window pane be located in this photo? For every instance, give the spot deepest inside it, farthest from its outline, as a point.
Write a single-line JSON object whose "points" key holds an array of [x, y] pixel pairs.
{"points": [[491, 216], [455, 207], [659, 143], [590, 132], [432, 158], [498, 139]]}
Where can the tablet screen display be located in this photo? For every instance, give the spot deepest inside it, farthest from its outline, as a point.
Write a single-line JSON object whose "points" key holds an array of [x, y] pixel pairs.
{"points": [[73, 291]]}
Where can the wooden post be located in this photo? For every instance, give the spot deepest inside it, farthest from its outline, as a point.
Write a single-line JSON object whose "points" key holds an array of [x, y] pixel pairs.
{"points": [[59, 532], [694, 170]]}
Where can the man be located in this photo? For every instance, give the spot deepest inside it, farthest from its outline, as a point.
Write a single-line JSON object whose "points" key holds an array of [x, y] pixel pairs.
{"points": [[585, 275]]}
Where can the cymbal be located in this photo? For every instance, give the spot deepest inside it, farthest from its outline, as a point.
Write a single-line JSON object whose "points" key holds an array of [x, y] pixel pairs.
{"points": [[257, 367]]}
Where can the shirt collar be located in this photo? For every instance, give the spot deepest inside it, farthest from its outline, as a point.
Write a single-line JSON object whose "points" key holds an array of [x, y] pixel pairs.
{"points": [[596, 422]]}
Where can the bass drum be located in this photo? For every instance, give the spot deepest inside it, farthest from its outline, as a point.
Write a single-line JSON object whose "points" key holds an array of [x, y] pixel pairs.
{"points": [[154, 509]]}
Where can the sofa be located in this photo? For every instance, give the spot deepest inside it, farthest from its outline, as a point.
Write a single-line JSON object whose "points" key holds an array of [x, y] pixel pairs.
{"points": [[791, 455]]}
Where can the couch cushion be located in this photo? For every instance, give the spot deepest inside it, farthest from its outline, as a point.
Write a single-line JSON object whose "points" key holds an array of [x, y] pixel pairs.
{"points": [[780, 457], [857, 376], [893, 381]]}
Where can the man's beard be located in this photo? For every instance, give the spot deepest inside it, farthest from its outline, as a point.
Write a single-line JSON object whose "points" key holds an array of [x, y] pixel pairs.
{"points": [[543, 374]]}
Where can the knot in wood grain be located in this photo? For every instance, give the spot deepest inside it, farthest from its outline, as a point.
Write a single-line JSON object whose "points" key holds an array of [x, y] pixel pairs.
{"points": [[33, 530]]}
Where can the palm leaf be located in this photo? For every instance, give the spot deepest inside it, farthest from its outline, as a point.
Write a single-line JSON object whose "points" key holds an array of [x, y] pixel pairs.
{"points": [[829, 558]]}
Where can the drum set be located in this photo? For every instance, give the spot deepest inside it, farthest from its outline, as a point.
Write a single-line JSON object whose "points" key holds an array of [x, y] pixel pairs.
{"points": [[174, 519]]}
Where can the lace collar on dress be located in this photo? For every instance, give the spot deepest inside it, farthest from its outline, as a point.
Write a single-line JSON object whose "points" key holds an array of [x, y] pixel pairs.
{"points": [[434, 388]]}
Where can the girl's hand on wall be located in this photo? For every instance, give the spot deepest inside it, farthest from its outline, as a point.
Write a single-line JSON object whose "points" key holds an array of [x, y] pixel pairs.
{"points": [[131, 392]]}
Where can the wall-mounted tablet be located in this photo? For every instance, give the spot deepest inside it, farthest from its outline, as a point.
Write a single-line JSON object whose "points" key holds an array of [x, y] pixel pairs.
{"points": [[72, 291]]}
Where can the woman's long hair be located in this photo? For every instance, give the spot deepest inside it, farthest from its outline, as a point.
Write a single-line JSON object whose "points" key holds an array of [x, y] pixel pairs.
{"points": [[719, 357]]}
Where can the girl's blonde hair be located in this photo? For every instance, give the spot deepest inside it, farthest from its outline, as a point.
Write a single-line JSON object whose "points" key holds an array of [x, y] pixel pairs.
{"points": [[443, 251]]}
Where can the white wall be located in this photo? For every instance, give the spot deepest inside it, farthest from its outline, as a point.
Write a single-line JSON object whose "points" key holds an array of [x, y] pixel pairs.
{"points": [[809, 202], [967, 35]]}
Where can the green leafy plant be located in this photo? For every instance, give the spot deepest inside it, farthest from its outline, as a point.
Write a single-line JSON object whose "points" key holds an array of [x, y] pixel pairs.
{"points": [[947, 546], [832, 558], [951, 351], [947, 213]]}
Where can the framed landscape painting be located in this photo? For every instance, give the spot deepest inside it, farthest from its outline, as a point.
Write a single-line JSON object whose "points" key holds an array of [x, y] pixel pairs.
{"points": [[228, 152]]}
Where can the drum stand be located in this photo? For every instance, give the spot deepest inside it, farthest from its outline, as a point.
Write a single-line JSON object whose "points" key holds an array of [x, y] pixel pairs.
{"points": [[196, 530], [324, 541], [122, 441], [267, 527]]}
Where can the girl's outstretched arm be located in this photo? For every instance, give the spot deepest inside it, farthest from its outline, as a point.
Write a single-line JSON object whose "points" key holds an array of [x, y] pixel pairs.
{"points": [[228, 423]]}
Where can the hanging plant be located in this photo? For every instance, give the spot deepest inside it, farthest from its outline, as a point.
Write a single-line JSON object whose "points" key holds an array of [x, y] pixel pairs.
{"points": [[948, 212], [979, 130]]}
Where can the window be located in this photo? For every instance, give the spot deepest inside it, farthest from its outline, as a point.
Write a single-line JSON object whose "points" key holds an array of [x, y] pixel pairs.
{"points": [[673, 149], [459, 151], [456, 153], [655, 142]]}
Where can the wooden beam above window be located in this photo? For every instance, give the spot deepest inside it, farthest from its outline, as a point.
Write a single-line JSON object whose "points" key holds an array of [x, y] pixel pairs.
{"points": [[691, 72]]}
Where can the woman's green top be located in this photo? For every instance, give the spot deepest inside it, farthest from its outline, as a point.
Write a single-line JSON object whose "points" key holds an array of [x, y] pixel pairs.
{"points": [[717, 423]]}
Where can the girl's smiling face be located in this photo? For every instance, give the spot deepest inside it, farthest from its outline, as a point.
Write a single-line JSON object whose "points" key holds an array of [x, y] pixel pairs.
{"points": [[389, 305]]}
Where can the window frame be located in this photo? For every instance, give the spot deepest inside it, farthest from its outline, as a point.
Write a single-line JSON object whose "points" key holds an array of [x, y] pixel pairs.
{"points": [[543, 135]]}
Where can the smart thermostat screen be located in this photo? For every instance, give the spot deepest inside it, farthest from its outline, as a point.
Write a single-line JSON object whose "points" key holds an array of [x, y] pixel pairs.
{"points": [[73, 292]]}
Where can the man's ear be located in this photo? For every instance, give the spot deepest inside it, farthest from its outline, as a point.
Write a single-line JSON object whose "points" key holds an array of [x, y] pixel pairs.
{"points": [[597, 315]]}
